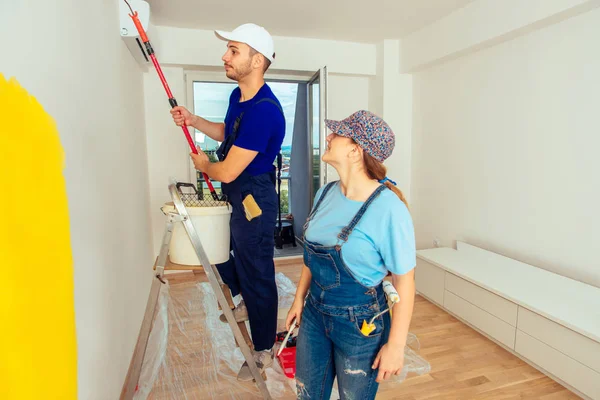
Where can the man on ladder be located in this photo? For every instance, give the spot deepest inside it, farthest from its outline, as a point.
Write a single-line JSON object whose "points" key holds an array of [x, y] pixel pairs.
{"points": [[251, 137]]}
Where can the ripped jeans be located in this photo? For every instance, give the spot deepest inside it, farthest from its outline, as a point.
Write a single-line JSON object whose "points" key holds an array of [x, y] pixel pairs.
{"points": [[330, 346]]}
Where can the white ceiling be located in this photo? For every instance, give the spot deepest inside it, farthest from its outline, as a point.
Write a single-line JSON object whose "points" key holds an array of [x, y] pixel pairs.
{"points": [[347, 20]]}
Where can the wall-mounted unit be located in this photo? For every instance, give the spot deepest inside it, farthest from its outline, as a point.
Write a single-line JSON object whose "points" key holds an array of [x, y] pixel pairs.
{"points": [[130, 34]]}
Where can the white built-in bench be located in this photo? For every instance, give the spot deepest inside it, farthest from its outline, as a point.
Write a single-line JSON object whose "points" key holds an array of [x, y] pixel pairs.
{"points": [[550, 321]]}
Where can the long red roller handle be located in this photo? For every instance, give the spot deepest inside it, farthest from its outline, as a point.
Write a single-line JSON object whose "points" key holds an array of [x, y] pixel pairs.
{"points": [[172, 101]]}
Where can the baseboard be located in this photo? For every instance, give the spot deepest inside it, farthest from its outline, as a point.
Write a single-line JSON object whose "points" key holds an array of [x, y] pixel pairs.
{"points": [[279, 261]]}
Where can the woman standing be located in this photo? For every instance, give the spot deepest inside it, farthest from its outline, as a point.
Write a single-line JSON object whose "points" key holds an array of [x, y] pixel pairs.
{"points": [[358, 230]]}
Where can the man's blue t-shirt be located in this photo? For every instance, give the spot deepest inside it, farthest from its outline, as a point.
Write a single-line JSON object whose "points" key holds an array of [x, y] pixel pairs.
{"points": [[261, 129]]}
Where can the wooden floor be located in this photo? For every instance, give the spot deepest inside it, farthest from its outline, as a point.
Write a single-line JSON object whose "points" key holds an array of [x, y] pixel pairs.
{"points": [[464, 364]]}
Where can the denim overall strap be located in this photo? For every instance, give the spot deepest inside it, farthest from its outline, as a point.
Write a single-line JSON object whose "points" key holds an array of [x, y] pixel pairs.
{"points": [[346, 231], [326, 189]]}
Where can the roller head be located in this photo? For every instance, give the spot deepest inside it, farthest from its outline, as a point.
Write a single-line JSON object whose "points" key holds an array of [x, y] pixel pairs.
{"points": [[390, 292]]}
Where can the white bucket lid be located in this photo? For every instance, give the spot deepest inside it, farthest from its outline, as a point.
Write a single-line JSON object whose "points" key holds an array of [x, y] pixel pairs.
{"points": [[213, 210]]}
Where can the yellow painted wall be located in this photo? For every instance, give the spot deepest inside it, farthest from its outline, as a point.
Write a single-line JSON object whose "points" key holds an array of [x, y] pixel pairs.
{"points": [[37, 330]]}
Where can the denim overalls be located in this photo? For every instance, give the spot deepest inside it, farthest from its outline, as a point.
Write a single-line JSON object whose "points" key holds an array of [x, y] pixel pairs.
{"points": [[330, 343], [251, 270]]}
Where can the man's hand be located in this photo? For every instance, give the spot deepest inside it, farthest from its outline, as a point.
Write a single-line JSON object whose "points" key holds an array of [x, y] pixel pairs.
{"points": [[181, 115], [229, 169], [390, 361], [200, 160]]}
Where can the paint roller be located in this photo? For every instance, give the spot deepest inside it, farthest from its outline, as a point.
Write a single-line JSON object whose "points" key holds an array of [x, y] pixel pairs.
{"points": [[172, 101], [292, 326], [392, 296]]}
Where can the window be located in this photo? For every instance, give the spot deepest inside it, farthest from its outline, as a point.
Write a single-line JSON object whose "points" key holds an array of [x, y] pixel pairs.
{"points": [[211, 100]]}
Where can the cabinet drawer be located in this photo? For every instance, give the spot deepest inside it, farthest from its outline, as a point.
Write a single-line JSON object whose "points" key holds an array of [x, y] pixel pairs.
{"points": [[429, 280], [558, 364], [484, 299], [482, 320], [572, 344]]}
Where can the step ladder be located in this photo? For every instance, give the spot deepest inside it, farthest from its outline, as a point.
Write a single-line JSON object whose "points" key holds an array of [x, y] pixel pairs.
{"points": [[221, 290]]}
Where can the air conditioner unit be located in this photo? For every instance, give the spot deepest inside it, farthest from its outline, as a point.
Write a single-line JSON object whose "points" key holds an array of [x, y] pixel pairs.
{"points": [[130, 34]]}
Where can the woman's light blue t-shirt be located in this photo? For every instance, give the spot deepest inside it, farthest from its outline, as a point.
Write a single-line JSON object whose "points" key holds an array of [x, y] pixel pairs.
{"points": [[383, 240]]}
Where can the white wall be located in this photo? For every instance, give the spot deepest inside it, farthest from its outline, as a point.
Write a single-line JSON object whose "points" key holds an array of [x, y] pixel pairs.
{"points": [[505, 149], [201, 48], [481, 24], [168, 150], [396, 103], [69, 55], [345, 95]]}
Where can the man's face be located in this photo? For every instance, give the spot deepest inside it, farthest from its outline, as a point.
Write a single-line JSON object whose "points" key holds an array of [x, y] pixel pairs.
{"points": [[237, 61]]}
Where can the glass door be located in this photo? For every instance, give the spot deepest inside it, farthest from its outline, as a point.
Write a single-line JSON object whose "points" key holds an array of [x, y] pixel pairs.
{"points": [[317, 110]]}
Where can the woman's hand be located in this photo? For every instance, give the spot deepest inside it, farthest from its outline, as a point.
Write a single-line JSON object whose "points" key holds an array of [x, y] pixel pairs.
{"points": [[390, 358], [295, 312], [390, 361]]}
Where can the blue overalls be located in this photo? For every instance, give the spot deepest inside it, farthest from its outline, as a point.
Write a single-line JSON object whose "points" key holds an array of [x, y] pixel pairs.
{"points": [[330, 343], [251, 270]]}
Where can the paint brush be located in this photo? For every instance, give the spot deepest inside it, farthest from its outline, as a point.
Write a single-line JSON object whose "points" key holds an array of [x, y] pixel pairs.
{"points": [[292, 326]]}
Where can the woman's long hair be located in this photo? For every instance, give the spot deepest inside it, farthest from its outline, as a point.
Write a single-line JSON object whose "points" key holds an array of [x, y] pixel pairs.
{"points": [[376, 170]]}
